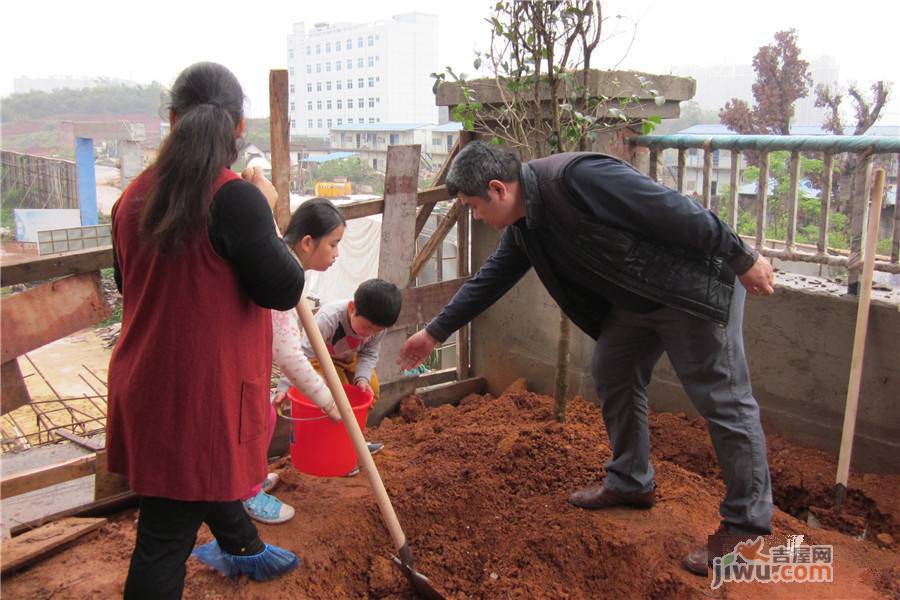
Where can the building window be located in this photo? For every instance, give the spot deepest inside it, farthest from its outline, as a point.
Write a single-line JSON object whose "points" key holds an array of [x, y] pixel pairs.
{"points": [[319, 123], [337, 65], [338, 84], [318, 48], [308, 50], [359, 42], [337, 46], [349, 84], [293, 124], [371, 82], [359, 62], [309, 105], [374, 161], [371, 119], [328, 104], [371, 61], [340, 121], [328, 67], [362, 102], [338, 104], [349, 44], [318, 86], [449, 143], [309, 123], [349, 102], [349, 64], [350, 121], [371, 102], [293, 108], [292, 88], [329, 123], [318, 67], [395, 139], [318, 105], [291, 53], [371, 40], [328, 86], [291, 72], [360, 83], [327, 46], [309, 87], [308, 69]]}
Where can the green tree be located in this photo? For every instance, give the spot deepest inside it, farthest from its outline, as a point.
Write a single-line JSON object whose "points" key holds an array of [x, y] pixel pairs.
{"points": [[354, 169]]}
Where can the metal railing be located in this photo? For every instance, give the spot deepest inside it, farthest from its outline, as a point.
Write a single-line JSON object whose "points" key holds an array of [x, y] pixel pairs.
{"points": [[831, 147]]}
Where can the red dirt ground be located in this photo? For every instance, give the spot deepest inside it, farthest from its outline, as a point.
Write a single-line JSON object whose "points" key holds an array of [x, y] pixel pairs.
{"points": [[481, 491]]}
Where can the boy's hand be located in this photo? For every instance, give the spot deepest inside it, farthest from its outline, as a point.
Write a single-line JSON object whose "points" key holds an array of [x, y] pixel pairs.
{"points": [[364, 386], [415, 350]]}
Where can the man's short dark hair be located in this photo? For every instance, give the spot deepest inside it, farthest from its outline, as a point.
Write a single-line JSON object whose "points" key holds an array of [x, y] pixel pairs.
{"points": [[476, 165], [378, 301]]}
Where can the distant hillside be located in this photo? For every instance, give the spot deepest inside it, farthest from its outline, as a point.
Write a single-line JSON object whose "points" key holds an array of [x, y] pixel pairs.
{"points": [[101, 100]]}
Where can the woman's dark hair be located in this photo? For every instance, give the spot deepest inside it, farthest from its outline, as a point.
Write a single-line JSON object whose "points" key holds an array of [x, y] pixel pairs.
{"points": [[317, 217], [206, 108]]}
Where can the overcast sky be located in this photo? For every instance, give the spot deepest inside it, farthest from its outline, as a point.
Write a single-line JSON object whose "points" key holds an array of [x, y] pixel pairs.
{"points": [[144, 41]]}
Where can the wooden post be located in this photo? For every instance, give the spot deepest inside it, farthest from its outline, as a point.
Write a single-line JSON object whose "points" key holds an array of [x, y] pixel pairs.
{"points": [[793, 195], [463, 361], [707, 176], [825, 212], [859, 339], [654, 164], [280, 136], [895, 244], [762, 195], [681, 169], [398, 240], [735, 182]]}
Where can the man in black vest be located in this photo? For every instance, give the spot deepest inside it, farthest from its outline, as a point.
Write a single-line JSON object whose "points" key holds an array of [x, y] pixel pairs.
{"points": [[643, 270]]}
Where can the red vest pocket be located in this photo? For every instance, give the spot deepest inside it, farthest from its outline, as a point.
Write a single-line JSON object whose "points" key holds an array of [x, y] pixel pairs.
{"points": [[254, 402]]}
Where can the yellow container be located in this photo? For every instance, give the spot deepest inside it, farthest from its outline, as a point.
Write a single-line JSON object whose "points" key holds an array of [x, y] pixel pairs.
{"points": [[332, 189]]}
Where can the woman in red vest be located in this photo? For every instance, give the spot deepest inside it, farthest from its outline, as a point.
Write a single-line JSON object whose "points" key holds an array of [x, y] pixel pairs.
{"points": [[200, 264]]}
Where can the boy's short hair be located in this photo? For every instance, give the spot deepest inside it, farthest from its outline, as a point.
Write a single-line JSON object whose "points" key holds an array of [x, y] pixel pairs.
{"points": [[378, 301]]}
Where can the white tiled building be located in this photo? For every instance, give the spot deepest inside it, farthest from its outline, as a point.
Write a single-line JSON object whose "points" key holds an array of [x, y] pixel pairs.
{"points": [[362, 73], [371, 141]]}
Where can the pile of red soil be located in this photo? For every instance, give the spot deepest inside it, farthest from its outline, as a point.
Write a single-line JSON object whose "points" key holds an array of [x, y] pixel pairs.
{"points": [[481, 491]]}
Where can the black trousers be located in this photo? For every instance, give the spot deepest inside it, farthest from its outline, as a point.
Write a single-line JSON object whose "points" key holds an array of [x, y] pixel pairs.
{"points": [[167, 532]]}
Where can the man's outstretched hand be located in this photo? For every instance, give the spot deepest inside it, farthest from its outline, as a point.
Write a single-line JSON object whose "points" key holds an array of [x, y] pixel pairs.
{"points": [[415, 350]]}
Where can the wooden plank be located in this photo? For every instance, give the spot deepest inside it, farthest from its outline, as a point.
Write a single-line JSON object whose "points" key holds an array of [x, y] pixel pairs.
{"points": [[453, 392], [366, 208], [279, 136], [462, 270], [35, 479], [398, 240], [49, 312], [421, 304], [47, 267], [77, 439], [436, 239], [14, 391], [37, 544], [426, 209], [107, 484], [91, 509]]}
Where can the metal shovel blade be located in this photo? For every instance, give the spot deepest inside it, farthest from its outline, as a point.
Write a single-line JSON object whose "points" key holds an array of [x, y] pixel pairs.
{"points": [[419, 582]]}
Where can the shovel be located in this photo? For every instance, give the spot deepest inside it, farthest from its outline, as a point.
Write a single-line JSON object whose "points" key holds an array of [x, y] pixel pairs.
{"points": [[419, 582]]}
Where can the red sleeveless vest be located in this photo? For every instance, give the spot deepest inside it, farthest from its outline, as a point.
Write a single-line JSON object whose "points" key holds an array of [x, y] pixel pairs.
{"points": [[189, 377]]}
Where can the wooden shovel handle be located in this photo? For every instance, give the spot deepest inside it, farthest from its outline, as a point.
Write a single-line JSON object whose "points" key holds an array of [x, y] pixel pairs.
{"points": [[859, 335], [349, 419]]}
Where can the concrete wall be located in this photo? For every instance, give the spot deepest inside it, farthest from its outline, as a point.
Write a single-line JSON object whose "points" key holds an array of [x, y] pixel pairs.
{"points": [[798, 344]]}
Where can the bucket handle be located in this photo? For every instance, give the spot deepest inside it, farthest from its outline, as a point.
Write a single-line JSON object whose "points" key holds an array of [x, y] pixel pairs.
{"points": [[278, 410]]}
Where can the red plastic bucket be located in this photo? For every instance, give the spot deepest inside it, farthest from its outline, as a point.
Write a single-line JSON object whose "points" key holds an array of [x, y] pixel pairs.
{"points": [[319, 446]]}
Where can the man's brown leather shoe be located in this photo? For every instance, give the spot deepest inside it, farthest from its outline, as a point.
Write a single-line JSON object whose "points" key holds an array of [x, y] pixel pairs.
{"points": [[697, 561], [597, 497]]}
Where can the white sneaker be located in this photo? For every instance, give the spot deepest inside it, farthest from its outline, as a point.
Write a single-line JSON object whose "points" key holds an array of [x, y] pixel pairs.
{"points": [[268, 509]]}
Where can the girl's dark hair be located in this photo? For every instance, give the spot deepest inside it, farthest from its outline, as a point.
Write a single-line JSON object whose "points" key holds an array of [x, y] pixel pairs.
{"points": [[206, 107], [316, 218]]}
